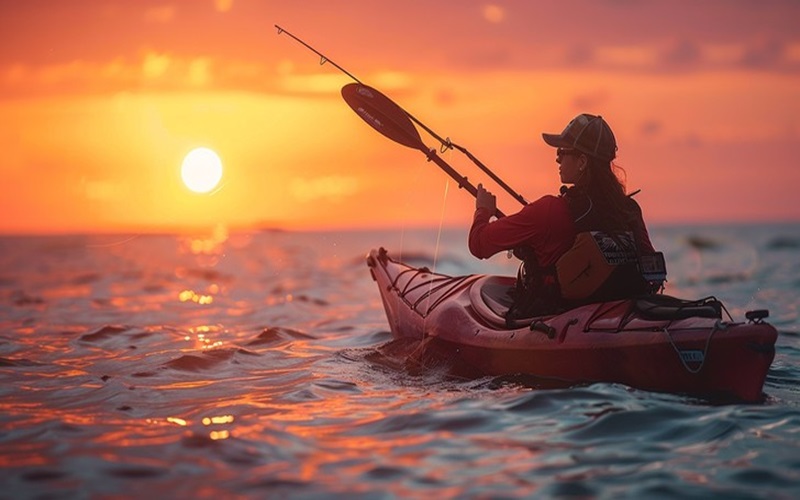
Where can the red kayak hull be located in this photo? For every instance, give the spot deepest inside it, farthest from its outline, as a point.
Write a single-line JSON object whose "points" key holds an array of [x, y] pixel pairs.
{"points": [[604, 342]]}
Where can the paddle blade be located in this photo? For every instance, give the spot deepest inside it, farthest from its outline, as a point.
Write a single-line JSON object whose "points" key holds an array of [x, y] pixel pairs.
{"points": [[382, 114]]}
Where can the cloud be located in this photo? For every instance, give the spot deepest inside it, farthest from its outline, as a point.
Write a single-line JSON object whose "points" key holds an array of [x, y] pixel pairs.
{"points": [[155, 65], [494, 13], [628, 56], [651, 128], [326, 83], [578, 55], [160, 15], [683, 52], [199, 72], [486, 57], [720, 54], [677, 55], [762, 54], [591, 101], [332, 188], [691, 140], [151, 71], [223, 5], [792, 53], [76, 76], [318, 83]]}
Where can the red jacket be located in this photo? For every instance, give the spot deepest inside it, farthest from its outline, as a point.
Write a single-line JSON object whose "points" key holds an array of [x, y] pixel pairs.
{"points": [[544, 225]]}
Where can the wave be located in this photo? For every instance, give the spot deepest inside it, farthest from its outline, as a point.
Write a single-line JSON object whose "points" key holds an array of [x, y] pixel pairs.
{"points": [[205, 361], [277, 335]]}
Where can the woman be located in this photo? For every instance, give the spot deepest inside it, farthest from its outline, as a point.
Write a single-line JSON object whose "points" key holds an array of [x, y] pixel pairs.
{"points": [[582, 246]]}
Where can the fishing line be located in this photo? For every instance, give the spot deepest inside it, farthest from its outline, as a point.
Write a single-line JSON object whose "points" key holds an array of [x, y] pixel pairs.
{"points": [[407, 208], [441, 223], [441, 215], [439, 232], [436, 248]]}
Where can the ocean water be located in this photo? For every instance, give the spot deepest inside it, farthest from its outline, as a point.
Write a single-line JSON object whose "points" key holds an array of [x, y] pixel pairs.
{"points": [[255, 365]]}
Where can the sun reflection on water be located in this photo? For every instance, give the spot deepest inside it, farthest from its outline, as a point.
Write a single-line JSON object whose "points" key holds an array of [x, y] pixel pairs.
{"points": [[200, 336], [220, 420], [192, 296], [177, 421], [217, 434], [223, 419], [211, 245]]}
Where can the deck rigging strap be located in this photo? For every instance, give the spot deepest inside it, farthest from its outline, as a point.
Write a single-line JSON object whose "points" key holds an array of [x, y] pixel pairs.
{"points": [[718, 325]]}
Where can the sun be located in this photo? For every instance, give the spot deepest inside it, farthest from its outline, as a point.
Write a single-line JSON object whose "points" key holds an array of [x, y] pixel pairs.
{"points": [[201, 170]]}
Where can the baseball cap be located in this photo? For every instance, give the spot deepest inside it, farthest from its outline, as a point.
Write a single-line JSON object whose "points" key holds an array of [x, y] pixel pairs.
{"points": [[587, 133]]}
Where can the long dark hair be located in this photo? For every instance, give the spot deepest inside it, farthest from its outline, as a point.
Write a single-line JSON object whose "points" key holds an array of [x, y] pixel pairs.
{"points": [[604, 185]]}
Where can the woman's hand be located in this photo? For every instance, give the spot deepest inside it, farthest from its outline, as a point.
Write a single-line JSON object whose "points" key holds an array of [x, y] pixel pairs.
{"points": [[485, 199]]}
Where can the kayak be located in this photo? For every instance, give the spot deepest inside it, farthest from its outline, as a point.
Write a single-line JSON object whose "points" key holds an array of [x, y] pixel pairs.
{"points": [[656, 343]]}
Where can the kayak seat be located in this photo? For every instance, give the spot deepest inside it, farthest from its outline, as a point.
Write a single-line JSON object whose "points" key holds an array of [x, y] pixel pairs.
{"points": [[660, 307], [491, 298]]}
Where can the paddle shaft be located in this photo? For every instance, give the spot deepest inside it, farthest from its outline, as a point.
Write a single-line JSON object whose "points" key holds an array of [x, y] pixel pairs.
{"points": [[446, 143], [462, 181]]}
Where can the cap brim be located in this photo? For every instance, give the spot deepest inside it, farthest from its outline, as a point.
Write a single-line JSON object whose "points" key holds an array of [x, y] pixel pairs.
{"points": [[556, 140]]}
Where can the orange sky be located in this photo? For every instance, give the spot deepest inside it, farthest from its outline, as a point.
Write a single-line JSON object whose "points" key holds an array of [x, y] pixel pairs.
{"points": [[100, 100]]}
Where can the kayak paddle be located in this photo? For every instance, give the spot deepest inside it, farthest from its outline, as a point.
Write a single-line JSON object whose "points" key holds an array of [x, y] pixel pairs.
{"points": [[382, 114]]}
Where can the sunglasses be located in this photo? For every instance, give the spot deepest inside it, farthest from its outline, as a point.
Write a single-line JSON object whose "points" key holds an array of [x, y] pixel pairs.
{"points": [[561, 152]]}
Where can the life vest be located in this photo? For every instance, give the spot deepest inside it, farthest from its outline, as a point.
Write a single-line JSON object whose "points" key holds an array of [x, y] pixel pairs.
{"points": [[599, 266]]}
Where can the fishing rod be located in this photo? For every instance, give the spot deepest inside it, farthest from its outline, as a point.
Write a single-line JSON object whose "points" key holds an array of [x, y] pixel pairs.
{"points": [[445, 143]]}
